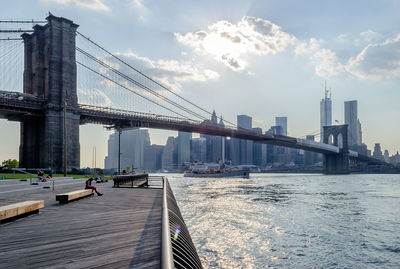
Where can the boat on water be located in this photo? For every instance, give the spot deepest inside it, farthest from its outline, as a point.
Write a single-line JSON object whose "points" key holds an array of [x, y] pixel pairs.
{"points": [[216, 170]]}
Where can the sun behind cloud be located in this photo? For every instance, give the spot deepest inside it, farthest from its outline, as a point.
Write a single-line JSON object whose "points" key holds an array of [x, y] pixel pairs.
{"points": [[230, 43]]}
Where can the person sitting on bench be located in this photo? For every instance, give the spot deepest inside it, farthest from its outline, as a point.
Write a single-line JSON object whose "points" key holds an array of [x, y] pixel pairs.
{"points": [[89, 186]]}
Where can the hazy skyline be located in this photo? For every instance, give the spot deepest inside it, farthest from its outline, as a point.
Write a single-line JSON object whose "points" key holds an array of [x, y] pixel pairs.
{"points": [[267, 58]]}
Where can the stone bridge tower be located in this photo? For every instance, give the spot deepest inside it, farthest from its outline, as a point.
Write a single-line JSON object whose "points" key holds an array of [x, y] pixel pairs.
{"points": [[50, 74], [337, 163]]}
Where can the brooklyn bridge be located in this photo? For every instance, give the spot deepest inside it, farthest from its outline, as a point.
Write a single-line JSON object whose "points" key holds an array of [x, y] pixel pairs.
{"points": [[50, 111]]}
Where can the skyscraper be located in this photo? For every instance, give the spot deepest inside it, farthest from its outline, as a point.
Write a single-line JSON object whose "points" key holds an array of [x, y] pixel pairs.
{"points": [[282, 151], [214, 144], [354, 125], [244, 121], [259, 151], [272, 151], [184, 147], [325, 112], [198, 152], [377, 152], [245, 146], [386, 156], [310, 158], [168, 160], [282, 121], [132, 147], [152, 157]]}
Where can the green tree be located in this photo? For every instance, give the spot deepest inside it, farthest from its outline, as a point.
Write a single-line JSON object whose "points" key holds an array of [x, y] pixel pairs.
{"points": [[9, 164]]}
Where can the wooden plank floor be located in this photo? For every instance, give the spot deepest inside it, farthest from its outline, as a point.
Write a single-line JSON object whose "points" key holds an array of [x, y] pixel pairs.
{"points": [[121, 229]]}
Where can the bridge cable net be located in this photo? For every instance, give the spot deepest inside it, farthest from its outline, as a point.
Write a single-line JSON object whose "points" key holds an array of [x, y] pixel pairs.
{"points": [[12, 55], [110, 80]]}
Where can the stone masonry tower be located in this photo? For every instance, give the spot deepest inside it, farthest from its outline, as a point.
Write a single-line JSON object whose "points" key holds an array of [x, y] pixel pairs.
{"points": [[50, 74], [337, 163]]}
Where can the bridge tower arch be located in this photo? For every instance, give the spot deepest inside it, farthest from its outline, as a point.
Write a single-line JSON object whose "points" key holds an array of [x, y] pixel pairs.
{"points": [[337, 163], [50, 74]]}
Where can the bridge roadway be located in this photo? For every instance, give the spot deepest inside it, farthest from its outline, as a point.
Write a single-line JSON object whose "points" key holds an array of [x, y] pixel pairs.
{"points": [[14, 106], [121, 229]]}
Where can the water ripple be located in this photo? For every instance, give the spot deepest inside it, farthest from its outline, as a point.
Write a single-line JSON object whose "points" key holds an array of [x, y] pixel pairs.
{"points": [[293, 221]]}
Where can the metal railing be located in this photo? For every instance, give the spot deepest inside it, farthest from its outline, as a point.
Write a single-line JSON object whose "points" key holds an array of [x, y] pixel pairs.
{"points": [[178, 250], [20, 101], [131, 180]]}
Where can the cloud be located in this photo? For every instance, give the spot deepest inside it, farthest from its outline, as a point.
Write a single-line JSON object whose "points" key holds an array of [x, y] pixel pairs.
{"points": [[327, 63], [171, 73], [96, 5], [93, 97], [305, 48], [138, 3], [342, 38], [377, 61], [230, 43], [369, 35]]}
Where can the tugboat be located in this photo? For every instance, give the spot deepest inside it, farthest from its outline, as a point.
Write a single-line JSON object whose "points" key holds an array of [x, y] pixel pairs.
{"points": [[216, 170]]}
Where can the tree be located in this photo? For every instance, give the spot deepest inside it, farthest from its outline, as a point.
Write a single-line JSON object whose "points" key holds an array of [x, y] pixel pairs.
{"points": [[10, 164]]}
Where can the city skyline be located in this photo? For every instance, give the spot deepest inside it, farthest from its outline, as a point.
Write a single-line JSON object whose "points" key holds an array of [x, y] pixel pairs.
{"points": [[307, 52]]}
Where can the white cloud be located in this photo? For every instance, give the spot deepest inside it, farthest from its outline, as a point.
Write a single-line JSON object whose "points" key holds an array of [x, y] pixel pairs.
{"points": [[229, 43], [342, 38], [138, 3], [97, 5], [377, 61], [369, 35], [305, 48], [327, 63], [171, 73]]}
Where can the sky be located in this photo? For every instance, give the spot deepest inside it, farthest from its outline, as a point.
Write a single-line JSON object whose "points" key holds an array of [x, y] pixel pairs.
{"points": [[260, 58]]}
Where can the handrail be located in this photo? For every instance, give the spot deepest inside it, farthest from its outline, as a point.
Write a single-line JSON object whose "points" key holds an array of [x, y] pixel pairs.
{"points": [[167, 261], [184, 254], [24, 172]]}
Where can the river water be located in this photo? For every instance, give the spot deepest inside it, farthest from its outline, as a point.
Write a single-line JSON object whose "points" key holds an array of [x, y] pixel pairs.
{"points": [[293, 220]]}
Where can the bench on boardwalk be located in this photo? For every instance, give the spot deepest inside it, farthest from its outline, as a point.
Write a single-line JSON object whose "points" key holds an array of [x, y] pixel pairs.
{"points": [[73, 195], [19, 209]]}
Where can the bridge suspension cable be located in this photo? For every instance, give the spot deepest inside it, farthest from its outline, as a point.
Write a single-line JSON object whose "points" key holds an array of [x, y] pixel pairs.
{"points": [[16, 31], [10, 38], [119, 84], [11, 67], [149, 78], [102, 63], [22, 21], [316, 134]]}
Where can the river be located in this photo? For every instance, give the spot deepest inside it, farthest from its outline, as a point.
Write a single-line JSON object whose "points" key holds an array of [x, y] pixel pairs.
{"points": [[293, 220]]}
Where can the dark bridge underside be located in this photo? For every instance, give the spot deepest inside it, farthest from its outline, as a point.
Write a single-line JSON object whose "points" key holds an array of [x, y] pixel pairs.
{"points": [[17, 109], [128, 119]]}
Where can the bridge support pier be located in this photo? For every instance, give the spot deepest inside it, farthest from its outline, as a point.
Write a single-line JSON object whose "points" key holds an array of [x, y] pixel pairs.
{"points": [[335, 164], [50, 74]]}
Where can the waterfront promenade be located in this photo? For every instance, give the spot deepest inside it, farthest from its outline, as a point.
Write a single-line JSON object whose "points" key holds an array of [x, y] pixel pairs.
{"points": [[121, 229]]}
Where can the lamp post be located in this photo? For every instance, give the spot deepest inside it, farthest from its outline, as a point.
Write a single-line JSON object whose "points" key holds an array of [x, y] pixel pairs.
{"points": [[65, 138], [119, 151]]}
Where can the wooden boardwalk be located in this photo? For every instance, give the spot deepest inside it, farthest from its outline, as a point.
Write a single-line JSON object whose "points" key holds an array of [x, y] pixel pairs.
{"points": [[121, 229]]}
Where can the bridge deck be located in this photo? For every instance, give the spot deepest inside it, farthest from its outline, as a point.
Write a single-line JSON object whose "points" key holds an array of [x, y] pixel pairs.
{"points": [[121, 229]]}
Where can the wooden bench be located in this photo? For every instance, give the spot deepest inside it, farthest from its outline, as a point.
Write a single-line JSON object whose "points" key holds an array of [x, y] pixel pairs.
{"points": [[73, 195], [17, 209]]}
